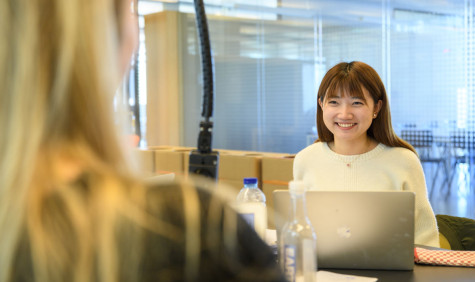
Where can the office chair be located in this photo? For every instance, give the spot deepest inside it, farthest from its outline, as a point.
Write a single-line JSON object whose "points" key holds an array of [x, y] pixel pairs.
{"points": [[457, 232], [462, 151], [423, 142]]}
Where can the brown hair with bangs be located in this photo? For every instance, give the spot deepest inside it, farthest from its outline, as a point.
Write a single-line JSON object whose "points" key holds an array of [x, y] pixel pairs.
{"points": [[352, 78]]}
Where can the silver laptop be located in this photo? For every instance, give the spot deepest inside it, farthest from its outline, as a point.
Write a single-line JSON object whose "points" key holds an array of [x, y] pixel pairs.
{"points": [[357, 230]]}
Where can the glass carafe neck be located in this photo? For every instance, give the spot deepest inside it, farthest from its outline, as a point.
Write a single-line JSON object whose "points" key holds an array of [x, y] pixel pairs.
{"points": [[299, 209]]}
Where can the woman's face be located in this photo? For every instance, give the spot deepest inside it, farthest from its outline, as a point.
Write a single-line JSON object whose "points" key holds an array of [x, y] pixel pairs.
{"points": [[349, 118], [130, 33]]}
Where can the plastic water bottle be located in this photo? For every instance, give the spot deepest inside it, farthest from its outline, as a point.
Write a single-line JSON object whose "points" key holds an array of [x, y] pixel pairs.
{"points": [[298, 241], [251, 205]]}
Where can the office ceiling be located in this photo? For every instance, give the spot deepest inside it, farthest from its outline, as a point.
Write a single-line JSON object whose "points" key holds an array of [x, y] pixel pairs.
{"points": [[352, 12]]}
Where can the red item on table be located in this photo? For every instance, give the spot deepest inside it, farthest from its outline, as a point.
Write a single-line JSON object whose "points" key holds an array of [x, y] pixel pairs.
{"points": [[442, 257]]}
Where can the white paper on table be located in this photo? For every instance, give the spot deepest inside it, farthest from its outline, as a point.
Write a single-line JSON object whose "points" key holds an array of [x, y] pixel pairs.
{"points": [[271, 237], [326, 276]]}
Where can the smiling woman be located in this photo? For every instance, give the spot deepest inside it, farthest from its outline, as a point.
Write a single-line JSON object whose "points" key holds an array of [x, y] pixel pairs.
{"points": [[357, 149]]}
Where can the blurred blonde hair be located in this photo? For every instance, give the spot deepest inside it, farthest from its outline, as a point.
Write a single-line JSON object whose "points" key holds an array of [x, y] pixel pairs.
{"points": [[58, 75]]}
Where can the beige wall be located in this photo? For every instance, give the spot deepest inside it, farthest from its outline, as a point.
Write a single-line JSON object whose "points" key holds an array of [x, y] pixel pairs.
{"points": [[164, 91]]}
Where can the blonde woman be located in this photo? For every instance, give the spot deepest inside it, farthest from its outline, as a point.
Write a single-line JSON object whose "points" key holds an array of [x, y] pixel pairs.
{"points": [[70, 207]]}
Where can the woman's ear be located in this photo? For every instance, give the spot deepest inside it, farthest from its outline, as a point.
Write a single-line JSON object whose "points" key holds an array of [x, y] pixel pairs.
{"points": [[378, 106], [320, 102]]}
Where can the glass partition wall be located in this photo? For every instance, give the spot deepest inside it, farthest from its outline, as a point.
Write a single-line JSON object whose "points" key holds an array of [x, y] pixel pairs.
{"points": [[270, 55]]}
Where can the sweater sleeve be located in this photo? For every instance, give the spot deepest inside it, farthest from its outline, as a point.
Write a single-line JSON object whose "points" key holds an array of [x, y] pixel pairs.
{"points": [[426, 231]]}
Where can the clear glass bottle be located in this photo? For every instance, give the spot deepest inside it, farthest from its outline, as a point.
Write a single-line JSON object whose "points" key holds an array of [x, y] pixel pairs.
{"points": [[298, 241], [251, 204]]}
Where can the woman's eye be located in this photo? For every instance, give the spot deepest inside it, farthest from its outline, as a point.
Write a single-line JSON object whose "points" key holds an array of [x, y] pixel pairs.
{"points": [[358, 103], [332, 102]]}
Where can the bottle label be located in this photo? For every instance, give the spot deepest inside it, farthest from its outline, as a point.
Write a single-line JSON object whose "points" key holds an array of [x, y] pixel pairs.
{"points": [[249, 218], [255, 214], [290, 267]]}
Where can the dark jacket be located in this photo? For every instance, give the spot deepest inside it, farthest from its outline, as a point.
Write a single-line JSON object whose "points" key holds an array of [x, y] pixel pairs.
{"points": [[227, 248]]}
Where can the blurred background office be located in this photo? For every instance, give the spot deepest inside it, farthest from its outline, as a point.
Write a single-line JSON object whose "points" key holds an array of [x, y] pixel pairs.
{"points": [[270, 55]]}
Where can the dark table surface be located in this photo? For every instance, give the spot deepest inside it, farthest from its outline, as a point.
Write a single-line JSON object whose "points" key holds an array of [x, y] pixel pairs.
{"points": [[420, 273]]}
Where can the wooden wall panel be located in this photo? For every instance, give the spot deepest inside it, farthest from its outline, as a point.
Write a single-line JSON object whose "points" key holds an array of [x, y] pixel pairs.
{"points": [[164, 79]]}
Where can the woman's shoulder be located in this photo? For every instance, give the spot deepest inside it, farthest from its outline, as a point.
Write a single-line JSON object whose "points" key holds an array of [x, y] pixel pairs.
{"points": [[177, 198], [176, 194], [399, 151], [401, 154], [311, 150], [179, 186], [201, 208]]}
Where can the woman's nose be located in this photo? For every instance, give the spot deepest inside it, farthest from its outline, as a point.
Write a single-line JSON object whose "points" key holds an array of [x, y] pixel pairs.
{"points": [[346, 112]]}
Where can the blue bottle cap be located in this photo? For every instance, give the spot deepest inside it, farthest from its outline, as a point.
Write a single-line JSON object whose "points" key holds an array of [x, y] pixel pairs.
{"points": [[250, 180]]}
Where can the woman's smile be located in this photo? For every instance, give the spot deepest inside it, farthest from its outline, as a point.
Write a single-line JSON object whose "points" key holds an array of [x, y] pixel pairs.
{"points": [[345, 125]]}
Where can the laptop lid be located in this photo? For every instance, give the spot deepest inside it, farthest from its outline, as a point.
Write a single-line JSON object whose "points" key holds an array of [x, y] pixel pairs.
{"points": [[357, 230]]}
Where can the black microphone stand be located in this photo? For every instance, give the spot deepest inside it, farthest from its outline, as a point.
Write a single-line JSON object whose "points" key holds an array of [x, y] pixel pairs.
{"points": [[204, 161]]}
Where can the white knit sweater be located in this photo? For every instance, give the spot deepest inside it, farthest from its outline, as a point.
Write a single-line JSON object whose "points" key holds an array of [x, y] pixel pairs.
{"points": [[383, 168]]}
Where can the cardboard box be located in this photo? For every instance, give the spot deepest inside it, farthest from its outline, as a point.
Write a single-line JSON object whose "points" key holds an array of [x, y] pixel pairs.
{"points": [[185, 151], [237, 167], [276, 174], [232, 186], [145, 160], [169, 160], [161, 147]]}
